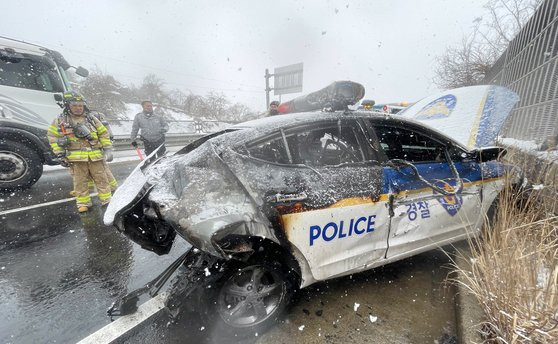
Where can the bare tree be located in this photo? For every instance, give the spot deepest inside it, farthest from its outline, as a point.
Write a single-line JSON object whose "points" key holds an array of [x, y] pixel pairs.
{"points": [[103, 93], [108, 96], [238, 113], [464, 65], [177, 98], [152, 89], [505, 19], [193, 105], [467, 63], [215, 106]]}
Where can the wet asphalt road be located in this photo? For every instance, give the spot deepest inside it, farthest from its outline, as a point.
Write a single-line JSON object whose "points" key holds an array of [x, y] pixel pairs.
{"points": [[60, 271]]}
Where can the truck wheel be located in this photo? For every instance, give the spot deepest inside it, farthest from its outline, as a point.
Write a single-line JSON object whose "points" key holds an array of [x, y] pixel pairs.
{"points": [[20, 166], [248, 299]]}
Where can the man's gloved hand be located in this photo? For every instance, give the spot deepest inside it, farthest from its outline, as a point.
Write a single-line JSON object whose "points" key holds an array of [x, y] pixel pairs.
{"points": [[63, 141], [108, 154], [134, 144], [61, 158]]}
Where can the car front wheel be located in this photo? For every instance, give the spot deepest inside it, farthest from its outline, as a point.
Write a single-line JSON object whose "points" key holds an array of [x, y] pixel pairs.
{"points": [[20, 165], [249, 299]]}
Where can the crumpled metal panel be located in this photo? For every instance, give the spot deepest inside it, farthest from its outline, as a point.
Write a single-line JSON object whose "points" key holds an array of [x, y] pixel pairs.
{"points": [[199, 196]]}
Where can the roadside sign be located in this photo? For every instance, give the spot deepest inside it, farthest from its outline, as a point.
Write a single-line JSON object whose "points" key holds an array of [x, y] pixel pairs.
{"points": [[288, 79]]}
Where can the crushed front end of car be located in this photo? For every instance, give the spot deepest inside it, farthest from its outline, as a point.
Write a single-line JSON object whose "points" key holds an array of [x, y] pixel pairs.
{"points": [[194, 194]]}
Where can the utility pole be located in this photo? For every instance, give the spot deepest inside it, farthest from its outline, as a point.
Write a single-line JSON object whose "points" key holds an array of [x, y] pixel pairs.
{"points": [[267, 89]]}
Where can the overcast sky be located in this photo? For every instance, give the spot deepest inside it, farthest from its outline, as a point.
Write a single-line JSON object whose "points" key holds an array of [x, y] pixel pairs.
{"points": [[389, 46]]}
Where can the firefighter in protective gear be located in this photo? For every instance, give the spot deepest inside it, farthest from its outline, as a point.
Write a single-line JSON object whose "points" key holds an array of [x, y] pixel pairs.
{"points": [[112, 181], [87, 145]]}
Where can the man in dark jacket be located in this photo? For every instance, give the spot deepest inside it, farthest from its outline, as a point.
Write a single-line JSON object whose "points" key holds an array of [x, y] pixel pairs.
{"points": [[153, 128]]}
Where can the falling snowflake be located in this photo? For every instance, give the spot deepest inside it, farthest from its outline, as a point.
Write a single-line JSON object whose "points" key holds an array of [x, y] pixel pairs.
{"points": [[355, 307], [373, 319], [301, 328]]}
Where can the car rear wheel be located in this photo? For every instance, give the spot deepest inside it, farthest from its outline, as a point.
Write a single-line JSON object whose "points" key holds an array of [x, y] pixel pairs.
{"points": [[20, 166]]}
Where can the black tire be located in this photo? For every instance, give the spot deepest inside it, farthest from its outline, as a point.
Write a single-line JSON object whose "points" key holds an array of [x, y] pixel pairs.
{"points": [[249, 298], [20, 166]]}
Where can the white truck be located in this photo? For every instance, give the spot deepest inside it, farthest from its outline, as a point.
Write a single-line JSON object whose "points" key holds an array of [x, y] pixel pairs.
{"points": [[32, 80]]}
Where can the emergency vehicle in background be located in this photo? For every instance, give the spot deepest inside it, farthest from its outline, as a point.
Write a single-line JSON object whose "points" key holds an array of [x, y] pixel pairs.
{"points": [[32, 80], [391, 108]]}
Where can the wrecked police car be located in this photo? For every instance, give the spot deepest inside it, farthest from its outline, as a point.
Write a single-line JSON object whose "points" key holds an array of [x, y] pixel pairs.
{"points": [[282, 202]]}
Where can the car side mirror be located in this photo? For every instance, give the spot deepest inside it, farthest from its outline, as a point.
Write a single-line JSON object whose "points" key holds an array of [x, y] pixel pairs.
{"points": [[82, 72], [58, 99], [489, 153]]}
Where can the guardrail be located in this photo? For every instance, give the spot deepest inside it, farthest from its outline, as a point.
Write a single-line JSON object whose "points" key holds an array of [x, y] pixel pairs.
{"points": [[124, 142]]}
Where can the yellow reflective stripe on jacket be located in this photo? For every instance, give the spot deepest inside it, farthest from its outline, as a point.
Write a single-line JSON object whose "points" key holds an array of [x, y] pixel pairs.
{"points": [[101, 129], [84, 155], [55, 147], [54, 130], [105, 142]]}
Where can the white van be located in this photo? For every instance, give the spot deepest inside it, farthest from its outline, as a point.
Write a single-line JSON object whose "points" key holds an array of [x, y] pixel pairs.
{"points": [[32, 80]]}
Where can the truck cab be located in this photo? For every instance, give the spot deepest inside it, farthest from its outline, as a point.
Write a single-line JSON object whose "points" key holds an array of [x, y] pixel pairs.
{"points": [[32, 78]]}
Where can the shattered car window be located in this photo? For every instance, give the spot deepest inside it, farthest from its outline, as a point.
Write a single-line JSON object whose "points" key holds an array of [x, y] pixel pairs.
{"points": [[272, 150], [330, 146], [409, 145]]}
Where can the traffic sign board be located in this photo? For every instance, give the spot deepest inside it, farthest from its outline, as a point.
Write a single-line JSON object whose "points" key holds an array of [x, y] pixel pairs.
{"points": [[288, 79]]}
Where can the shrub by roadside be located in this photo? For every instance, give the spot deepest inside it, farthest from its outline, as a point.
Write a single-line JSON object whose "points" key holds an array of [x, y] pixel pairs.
{"points": [[514, 264]]}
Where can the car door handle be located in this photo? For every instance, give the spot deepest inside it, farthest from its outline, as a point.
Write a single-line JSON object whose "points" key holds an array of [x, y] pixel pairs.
{"points": [[287, 197]]}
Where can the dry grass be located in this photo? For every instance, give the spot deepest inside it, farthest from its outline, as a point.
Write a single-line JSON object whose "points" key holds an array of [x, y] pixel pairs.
{"points": [[514, 271]]}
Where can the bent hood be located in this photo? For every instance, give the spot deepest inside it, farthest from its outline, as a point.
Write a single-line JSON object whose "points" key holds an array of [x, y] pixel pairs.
{"points": [[472, 115]]}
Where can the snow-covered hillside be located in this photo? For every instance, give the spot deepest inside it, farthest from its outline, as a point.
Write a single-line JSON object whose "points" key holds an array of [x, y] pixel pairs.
{"points": [[168, 113]]}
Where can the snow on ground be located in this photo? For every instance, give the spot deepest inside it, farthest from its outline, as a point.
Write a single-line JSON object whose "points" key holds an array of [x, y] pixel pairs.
{"points": [[168, 113], [527, 146], [530, 147]]}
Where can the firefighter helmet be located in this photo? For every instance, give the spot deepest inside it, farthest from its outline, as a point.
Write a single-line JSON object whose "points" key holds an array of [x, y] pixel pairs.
{"points": [[72, 96]]}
